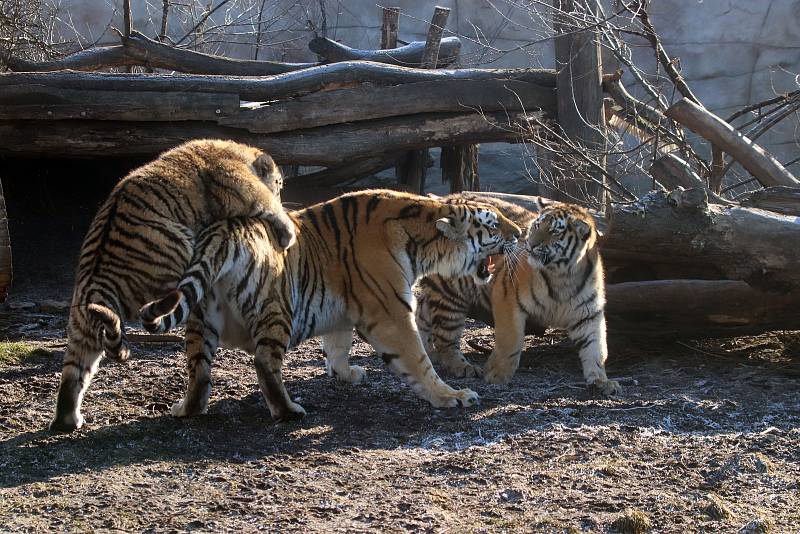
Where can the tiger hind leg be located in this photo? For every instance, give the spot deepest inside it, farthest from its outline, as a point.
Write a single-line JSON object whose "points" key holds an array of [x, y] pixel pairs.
{"points": [[441, 326], [268, 362], [336, 348], [202, 340], [589, 337], [81, 360]]}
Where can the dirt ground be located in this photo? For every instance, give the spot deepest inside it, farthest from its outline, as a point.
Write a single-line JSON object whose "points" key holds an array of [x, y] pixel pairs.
{"points": [[704, 439]]}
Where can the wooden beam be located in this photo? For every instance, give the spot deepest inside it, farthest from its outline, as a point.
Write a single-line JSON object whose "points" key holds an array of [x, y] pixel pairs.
{"points": [[409, 55], [6, 270], [760, 163], [430, 53], [579, 76], [390, 27], [370, 102], [49, 103], [343, 174], [271, 87], [327, 146], [780, 199]]}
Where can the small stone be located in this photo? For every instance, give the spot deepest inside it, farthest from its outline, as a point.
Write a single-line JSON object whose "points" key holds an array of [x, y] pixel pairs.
{"points": [[53, 306], [715, 508], [511, 495], [759, 525]]}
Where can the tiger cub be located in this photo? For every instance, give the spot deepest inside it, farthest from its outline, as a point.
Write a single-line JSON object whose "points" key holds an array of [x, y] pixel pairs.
{"points": [[356, 260], [142, 239], [560, 284]]}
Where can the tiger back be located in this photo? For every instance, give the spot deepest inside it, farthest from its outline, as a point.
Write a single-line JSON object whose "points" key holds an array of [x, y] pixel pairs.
{"points": [[141, 241], [556, 281], [354, 265]]}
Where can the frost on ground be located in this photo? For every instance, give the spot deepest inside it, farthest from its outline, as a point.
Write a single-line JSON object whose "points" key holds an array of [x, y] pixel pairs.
{"points": [[704, 438]]}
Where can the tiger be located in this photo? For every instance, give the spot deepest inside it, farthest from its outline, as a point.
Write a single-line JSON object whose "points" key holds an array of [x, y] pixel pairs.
{"points": [[560, 284], [356, 260], [141, 240]]}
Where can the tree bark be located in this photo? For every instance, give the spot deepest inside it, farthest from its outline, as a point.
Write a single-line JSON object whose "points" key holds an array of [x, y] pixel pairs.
{"points": [[272, 87], [784, 200], [326, 146], [760, 163], [369, 102], [6, 270]]}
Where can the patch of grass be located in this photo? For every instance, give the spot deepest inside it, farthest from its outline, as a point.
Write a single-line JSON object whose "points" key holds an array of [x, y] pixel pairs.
{"points": [[632, 522], [13, 352]]}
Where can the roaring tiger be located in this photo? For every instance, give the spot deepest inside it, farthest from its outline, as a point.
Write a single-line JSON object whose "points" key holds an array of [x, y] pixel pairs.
{"points": [[560, 285], [141, 241], [356, 260]]}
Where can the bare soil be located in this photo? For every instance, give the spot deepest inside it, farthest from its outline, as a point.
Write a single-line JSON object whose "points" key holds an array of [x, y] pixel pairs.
{"points": [[704, 439]]}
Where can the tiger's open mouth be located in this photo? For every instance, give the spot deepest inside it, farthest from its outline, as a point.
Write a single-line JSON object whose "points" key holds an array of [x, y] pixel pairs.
{"points": [[486, 268]]}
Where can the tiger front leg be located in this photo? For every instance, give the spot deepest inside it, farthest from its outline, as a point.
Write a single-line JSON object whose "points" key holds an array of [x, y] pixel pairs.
{"points": [[509, 337], [202, 340], [589, 337], [441, 328], [336, 348], [400, 346]]}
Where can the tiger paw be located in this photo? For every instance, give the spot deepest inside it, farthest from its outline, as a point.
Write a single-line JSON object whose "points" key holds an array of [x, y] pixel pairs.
{"points": [[355, 375], [463, 369], [185, 409], [494, 375], [69, 423], [608, 388], [461, 398], [293, 412]]}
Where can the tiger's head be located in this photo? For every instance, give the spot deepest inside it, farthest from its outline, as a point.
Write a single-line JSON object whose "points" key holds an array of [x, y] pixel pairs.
{"points": [[560, 236], [474, 232]]}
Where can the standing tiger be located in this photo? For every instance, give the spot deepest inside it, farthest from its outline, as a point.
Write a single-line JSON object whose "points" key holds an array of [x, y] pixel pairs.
{"points": [[142, 239], [356, 260], [560, 285]]}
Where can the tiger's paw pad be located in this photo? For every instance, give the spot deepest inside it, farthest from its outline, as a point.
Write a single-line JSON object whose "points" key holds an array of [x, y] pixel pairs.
{"points": [[355, 375], [460, 398], [608, 388], [492, 375]]}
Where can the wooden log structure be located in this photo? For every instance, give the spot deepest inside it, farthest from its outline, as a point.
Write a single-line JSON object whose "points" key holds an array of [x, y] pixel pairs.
{"points": [[6, 272], [780, 199]]}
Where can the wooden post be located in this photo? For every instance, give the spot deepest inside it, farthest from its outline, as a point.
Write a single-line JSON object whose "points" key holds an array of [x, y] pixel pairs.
{"points": [[413, 168], [391, 21], [5, 250], [460, 167], [579, 93]]}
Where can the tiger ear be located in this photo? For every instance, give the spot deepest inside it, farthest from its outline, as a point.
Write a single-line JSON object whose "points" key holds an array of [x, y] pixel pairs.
{"points": [[542, 203], [450, 228], [582, 228], [265, 166]]}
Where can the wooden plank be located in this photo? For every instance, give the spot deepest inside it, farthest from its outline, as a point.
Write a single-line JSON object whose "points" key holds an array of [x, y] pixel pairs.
{"points": [[6, 270], [49, 103], [389, 27], [326, 146], [580, 98], [264, 88], [364, 103]]}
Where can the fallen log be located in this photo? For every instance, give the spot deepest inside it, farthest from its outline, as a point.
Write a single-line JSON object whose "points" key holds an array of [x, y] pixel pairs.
{"points": [[409, 55], [137, 49], [326, 146], [369, 102], [680, 235], [698, 308], [785, 200], [672, 172], [760, 163], [264, 88], [344, 174]]}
